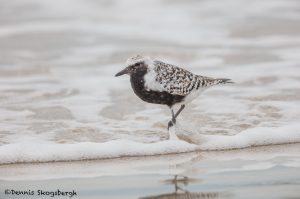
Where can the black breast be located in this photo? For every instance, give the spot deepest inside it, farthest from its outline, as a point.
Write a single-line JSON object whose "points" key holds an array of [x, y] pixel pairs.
{"points": [[156, 97]]}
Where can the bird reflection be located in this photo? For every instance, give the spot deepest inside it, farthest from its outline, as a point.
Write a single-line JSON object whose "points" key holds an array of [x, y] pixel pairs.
{"points": [[181, 193]]}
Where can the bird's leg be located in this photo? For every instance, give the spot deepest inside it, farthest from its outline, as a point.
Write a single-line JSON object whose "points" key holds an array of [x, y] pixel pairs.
{"points": [[174, 116], [173, 121], [179, 111]]}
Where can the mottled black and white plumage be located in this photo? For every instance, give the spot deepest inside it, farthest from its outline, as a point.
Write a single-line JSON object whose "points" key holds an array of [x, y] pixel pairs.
{"points": [[157, 82]]}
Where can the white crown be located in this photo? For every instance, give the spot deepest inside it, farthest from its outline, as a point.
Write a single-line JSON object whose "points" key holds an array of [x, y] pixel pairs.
{"points": [[136, 59]]}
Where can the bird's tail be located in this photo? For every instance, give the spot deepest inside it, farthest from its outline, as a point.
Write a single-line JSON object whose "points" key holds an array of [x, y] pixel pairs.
{"points": [[223, 81]]}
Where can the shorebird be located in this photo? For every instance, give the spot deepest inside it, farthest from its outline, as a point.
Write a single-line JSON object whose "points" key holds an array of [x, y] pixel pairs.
{"points": [[160, 83]]}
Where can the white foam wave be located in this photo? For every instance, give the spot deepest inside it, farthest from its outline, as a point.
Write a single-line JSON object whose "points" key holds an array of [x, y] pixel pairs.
{"points": [[258, 136], [45, 152], [48, 151]]}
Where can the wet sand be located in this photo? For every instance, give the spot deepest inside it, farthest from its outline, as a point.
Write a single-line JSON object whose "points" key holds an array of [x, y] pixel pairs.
{"points": [[257, 172]]}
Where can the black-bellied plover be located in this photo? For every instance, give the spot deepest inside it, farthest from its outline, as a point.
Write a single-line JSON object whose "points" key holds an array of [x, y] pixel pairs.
{"points": [[160, 83]]}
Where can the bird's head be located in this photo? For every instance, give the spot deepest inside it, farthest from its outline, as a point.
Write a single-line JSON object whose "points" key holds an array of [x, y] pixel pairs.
{"points": [[133, 64]]}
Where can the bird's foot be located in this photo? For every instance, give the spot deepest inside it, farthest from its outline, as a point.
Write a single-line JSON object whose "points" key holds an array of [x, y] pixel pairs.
{"points": [[171, 123]]}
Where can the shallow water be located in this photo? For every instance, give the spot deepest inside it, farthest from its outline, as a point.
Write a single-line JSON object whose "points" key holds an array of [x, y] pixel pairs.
{"points": [[58, 61]]}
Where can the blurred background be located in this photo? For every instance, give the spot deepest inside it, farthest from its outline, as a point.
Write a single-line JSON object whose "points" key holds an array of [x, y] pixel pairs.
{"points": [[58, 60]]}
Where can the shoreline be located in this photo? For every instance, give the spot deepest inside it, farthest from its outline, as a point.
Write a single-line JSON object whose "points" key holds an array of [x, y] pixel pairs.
{"points": [[145, 156], [124, 165]]}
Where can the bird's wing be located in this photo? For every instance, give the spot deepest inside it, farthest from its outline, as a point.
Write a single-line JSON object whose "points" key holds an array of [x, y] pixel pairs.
{"points": [[175, 80]]}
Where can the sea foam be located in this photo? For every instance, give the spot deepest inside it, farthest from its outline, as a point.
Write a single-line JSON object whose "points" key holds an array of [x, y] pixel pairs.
{"points": [[50, 151]]}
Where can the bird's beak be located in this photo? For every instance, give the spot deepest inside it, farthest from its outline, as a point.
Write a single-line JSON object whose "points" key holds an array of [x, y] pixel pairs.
{"points": [[122, 72]]}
